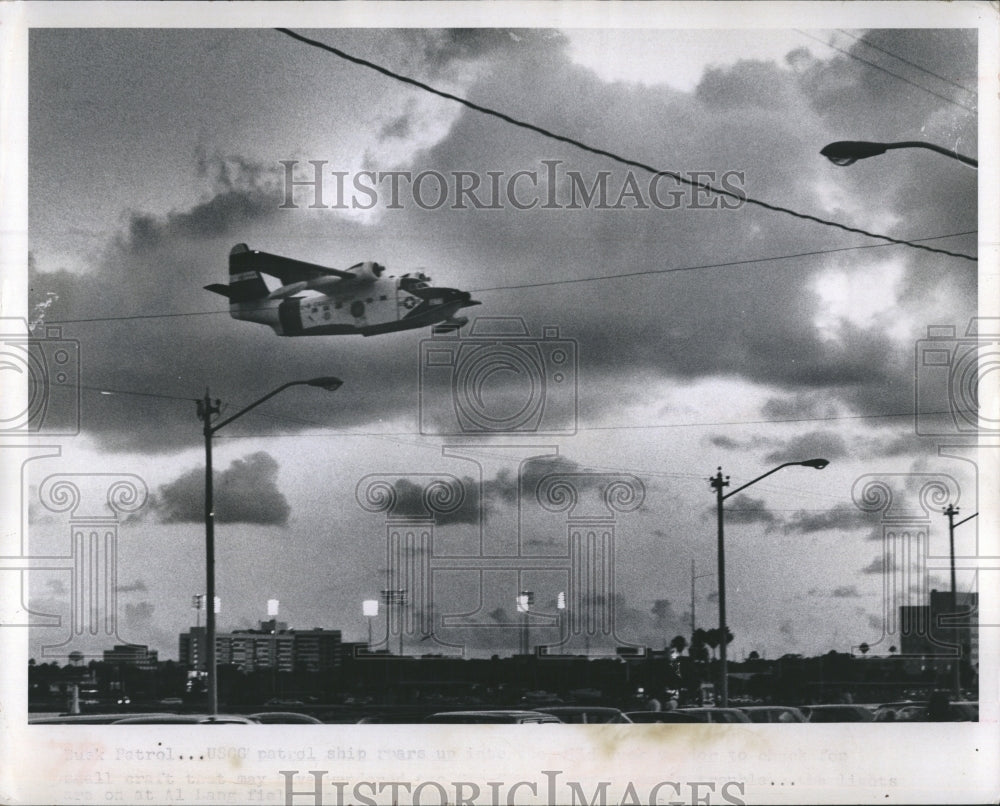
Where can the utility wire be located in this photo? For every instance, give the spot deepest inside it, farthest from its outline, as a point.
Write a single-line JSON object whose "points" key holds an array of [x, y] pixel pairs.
{"points": [[568, 281], [701, 266], [888, 72], [870, 44], [610, 155], [646, 426]]}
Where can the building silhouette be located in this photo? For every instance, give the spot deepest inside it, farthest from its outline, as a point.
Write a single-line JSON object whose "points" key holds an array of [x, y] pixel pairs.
{"points": [[271, 646], [934, 630]]}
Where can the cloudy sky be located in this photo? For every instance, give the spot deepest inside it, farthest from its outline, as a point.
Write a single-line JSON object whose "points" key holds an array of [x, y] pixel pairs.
{"points": [[705, 335]]}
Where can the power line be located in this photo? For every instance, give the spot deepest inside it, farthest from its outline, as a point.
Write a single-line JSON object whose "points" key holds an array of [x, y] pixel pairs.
{"points": [[702, 266], [870, 44], [610, 155], [632, 427], [888, 72], [568, 281]]}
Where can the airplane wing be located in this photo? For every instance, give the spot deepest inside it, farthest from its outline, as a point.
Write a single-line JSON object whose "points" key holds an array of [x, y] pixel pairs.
{"points": [[284, 268]]}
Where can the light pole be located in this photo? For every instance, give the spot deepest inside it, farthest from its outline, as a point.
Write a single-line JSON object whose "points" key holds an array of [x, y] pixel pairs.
{"points": [[395, 597], [951, 511], [693, 578], [718, 482], [847, 152], [369, 609], [525, 599], [206, 408]]}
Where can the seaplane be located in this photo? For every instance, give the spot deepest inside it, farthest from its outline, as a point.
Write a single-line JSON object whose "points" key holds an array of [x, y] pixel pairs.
{"points": [[296, 298]]}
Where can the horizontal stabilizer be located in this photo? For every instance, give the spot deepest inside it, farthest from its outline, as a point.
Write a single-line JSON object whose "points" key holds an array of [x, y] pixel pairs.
{"points": [[242, 259], [219, 288]]}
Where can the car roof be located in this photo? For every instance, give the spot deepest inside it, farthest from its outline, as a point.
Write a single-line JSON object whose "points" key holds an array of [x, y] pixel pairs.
{"points": [[78, 719], [184, 719]]}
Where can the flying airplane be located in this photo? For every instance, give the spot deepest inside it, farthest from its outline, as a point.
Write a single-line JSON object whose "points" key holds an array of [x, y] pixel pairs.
{"points": [[309, 300]]}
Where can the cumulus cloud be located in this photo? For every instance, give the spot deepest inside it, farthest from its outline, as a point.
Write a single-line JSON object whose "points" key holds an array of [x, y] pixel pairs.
{"points": [[134, 587], [744, 508], [881, 565], [245, 492], [845, 592], [842, 516], [814, 445]]}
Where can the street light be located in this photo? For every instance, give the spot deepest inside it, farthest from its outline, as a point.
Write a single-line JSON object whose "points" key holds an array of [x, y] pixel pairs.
{"points": [[206, 408], [951, 511], [847, 152], [718, 482]]}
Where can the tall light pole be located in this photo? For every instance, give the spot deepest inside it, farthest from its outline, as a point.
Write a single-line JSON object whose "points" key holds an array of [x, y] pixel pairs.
{"points": [[718, 482], [398, 598], [206, 408], [847, 152], [525, 599], [950, 512], [369, 609], [693, 578]]}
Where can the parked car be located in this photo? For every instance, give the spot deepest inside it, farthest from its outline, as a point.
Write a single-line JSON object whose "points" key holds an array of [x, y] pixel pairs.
{"points": [[78, 719], [648, 717], [586, 714], [185, 719], [909, 711], [837, 712], [773, 713], [712, 714], [284, 718], [491, 718]]}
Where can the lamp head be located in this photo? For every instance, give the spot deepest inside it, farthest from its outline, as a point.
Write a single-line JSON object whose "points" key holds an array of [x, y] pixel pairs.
{"points": [[819, 464], [330, 384], [847, 152]]}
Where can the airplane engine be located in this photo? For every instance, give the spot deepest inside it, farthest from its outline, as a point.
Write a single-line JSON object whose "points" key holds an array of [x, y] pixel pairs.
{"points": [[367, 272]]}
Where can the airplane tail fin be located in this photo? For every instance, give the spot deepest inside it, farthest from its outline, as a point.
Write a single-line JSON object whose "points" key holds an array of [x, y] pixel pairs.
{"points": [[245, 282]]}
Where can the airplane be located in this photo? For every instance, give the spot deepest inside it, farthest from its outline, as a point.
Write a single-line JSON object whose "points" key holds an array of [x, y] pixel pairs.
{"points": [[315, 300]]}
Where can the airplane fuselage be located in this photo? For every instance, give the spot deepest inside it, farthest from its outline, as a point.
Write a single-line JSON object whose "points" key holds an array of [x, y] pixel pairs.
{"points": [[379, 307], [312, 300]]}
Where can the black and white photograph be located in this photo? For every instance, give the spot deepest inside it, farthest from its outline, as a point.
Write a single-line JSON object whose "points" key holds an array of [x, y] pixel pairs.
{"points": [[499, 403]]}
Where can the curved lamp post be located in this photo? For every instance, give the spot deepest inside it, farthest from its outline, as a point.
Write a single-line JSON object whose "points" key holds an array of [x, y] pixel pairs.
{"points": [[718, 482], [206, 408], [847, 152], [950, 512]]}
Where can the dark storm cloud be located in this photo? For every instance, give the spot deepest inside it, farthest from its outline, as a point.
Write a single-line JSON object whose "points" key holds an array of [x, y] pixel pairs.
{"points": [[135, 587], [470, 501], [814, 445], [880, 565], [801, 406], [244, 193], [845, 517], [245, 492], [755, 322], [746, 509], [846, 592], [444, 46]]}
